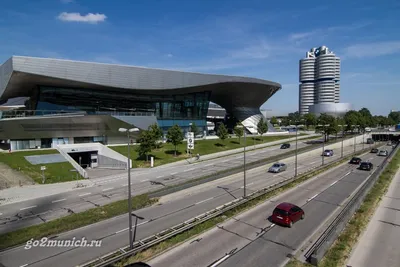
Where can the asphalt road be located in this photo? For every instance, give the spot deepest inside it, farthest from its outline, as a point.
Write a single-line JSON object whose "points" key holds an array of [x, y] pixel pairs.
{"points": [[379, 244], [177, 208], [257, 241], [35, 211]]}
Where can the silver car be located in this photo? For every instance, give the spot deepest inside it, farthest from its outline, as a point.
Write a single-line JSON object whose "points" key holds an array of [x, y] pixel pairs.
{"points": [[278, 167], [383, 153]]}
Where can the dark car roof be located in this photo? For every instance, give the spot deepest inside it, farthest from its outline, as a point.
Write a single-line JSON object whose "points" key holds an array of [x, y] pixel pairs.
{"points": [[356, 158], [285, 206]]}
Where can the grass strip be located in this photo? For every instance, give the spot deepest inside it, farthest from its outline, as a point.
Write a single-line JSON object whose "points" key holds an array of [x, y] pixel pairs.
{"points": [[338, 254], [73, 221], [201, 228]]}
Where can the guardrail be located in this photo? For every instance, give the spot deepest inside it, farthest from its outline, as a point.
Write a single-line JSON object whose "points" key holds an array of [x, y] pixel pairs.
{"points": [[325, 241], [150, 241]]}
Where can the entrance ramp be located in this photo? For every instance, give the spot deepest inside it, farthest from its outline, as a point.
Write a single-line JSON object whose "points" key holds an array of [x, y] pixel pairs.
{"points": [[99, 155]]}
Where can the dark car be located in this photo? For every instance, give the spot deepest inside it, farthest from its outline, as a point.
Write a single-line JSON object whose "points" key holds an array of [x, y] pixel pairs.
{"points": [[374, 150], [287, 214], [355, 160], [366, 166], [285, 146]]}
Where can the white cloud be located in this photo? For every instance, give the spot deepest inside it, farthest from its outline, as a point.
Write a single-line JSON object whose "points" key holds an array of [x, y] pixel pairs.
{"points": [[301, 35], [372, 49], [169, 55], [77, 17]]}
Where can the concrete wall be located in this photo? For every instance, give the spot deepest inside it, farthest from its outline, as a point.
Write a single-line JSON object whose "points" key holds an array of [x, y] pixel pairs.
{"points": [[110, 163]]}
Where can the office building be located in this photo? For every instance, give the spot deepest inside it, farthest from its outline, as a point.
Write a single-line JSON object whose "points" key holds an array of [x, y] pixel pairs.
{"points": [[319, 89], [69, 101]]}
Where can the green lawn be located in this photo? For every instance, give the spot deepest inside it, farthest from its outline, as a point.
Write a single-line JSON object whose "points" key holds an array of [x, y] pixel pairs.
{"points": [[165, 154], [55, 172]]}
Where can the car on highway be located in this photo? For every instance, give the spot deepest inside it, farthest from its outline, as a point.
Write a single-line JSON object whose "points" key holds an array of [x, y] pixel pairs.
{"points": [[328, 153], [366, 166], [370, 141], [285, 146], [287, 214], [355, 160], [383, 153], [389, 144], [278, 167], [374, 150]]}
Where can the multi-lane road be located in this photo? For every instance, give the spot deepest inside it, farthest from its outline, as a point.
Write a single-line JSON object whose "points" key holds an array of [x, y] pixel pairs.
{"points": [[258, 242], [38, 210], [173, 209]]}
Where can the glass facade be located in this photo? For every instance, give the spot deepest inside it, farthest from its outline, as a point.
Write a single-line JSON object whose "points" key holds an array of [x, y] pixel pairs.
{"points": [[191, 106]]}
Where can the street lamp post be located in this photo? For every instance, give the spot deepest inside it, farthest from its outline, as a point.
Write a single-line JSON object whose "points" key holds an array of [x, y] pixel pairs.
{"points": [[323, 143], [134, 232], [124, 130], [244, 158], [295, 158]]}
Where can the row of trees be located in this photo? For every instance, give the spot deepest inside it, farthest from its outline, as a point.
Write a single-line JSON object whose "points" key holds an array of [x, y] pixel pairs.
{"points": [[222, 132], [363, 117]]}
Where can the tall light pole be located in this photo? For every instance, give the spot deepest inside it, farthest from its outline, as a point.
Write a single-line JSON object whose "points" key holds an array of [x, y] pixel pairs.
{"points": [[134, 232], [355, 140], [323, 142], [190, 130], [124, 130], [244, 158]]}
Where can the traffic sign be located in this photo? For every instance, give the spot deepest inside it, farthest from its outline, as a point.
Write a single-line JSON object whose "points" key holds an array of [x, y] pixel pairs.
{"points": [[190, 140]]}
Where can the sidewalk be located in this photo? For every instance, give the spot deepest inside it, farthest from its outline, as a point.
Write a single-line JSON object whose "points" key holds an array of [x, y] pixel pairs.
{"points": [[378, 245]]}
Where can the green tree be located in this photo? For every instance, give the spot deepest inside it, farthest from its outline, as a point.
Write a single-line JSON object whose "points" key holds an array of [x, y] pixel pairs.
{"points": [[327, 125], [285, 121], [351, 119], [394, 116], [175, 136], [310, 120], [194, 129], [157, 134], [238, 130], [294, 117], [274, 121], [262, 127], [366, 118], [146, 144], [222, 132]]}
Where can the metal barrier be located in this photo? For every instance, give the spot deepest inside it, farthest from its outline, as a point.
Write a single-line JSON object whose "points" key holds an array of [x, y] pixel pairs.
{"points": [[150, 241], [325, 241]]}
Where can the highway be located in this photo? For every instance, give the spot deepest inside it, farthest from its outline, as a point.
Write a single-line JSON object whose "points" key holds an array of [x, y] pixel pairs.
{"points": [[35, 211], [259, 242], [379, 244], [173, 209]]}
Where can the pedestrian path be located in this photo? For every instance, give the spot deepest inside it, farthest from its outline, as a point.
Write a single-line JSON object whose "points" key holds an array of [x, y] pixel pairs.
{"points": [[378, 245]]}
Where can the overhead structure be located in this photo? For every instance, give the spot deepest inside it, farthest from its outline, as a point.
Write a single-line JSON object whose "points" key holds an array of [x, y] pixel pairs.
{"points": [[73, 101]]}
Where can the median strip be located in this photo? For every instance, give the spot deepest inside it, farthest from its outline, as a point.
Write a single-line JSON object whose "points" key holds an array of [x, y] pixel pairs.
{"points": [[337, 255], [198, 229]]}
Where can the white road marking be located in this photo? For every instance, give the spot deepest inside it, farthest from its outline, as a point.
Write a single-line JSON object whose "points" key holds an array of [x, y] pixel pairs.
{"points": [[314, 162], [246, 185], [28, 207], [124, 185], [59, 200], [1, 213], [311, 198], [86, 194], [142, 223], [275, 175], [148, 179], [107, 189], [190, 169], [226, 160], [208, 165], [333, 183], [220, 260], [24, 265], [173, 173], [205, 200], [272, 225], [120, 231]]}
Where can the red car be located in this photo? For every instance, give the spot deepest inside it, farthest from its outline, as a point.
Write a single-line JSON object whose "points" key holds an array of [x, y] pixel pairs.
{"points": [[287, 214]]}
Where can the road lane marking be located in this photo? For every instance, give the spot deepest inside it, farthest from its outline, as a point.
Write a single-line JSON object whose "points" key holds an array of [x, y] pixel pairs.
{"points": [[124, 185], [1, 213], [190, 169], [107, 189], [205, 200], [208, 165], [173, 173], [147, 179], [227, 160], [58, 200], [24, 265], [311, 198], [86, 194], [120, 231], [28, 207], [333, 183], [142, 223], [314, 162], [246, 185]]}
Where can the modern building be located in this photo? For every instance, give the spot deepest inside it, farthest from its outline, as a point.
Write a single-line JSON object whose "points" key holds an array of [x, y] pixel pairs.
{"points": [[319, 89], [69, 101]]}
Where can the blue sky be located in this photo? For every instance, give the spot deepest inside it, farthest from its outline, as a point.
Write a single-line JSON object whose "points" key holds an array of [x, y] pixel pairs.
{"points": [[257, 38]]}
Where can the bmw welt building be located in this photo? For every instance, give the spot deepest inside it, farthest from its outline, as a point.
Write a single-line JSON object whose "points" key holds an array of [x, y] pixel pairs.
{"points": [[66, 102]]}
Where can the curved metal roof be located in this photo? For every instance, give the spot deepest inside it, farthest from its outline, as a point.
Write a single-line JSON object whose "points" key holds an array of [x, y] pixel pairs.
{"points": [[20, 74]]}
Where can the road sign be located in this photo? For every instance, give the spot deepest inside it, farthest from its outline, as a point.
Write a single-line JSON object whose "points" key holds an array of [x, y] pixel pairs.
{"points": [[42, 168], [190, 140]]}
